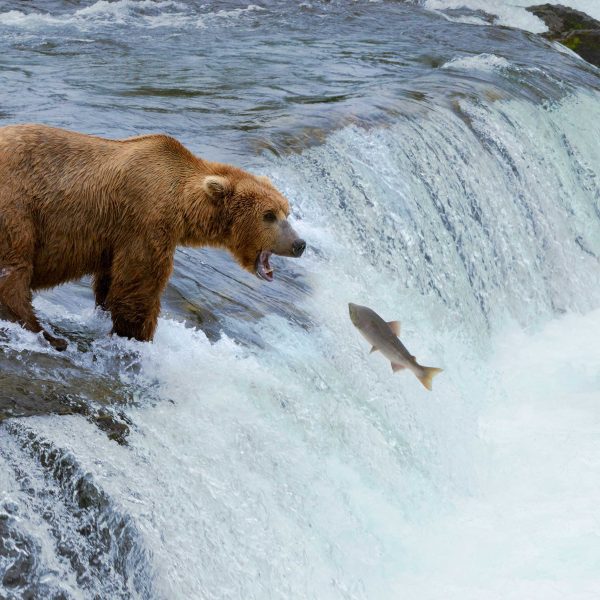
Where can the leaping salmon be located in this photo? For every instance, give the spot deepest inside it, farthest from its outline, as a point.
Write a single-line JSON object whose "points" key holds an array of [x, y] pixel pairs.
{"points": [[384, 337]]}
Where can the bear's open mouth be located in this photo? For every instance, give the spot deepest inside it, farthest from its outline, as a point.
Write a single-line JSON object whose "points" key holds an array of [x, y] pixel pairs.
{"points": [[263, 269]]}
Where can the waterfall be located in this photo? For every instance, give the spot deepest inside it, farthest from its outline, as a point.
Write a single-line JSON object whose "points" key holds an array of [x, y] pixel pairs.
{"points": [[301, 466]]}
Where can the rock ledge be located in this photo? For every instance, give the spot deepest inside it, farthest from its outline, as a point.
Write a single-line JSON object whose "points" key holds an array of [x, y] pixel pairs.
{"points": [[572, 28]]}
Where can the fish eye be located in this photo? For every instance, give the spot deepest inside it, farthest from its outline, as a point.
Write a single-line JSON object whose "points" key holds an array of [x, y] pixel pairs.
{"points": [[270, 217]]}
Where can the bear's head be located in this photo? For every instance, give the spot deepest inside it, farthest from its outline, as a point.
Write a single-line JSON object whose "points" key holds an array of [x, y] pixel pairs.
{"points": [[255, 219]]}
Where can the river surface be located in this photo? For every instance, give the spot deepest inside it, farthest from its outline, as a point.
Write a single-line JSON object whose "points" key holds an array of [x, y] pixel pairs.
{"points": [[444, 168]]}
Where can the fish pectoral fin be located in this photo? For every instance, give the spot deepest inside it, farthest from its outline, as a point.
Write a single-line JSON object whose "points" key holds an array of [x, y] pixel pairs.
{"points": [[396, 367], [373, 349], [395, 327]]}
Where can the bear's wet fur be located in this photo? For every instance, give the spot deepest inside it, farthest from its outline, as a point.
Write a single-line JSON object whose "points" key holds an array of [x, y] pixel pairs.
{"points": [[73, 204]]}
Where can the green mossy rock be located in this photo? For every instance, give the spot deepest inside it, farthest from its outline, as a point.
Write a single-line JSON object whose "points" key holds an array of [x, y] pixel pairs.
{"points": [[572, 28], [586, 43]]}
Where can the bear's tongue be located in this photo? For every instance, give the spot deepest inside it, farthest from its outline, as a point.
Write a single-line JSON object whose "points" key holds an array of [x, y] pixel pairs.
{"points": [[263, 268]]}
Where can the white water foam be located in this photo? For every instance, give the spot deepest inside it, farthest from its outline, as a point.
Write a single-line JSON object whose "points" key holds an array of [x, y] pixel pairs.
{"points": [[254, 474], [481, 62], [532, 529], [140, 13]]}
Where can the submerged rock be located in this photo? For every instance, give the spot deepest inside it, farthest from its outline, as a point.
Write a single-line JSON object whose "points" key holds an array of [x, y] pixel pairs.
{"points": [[572, 28], [95, 400]]}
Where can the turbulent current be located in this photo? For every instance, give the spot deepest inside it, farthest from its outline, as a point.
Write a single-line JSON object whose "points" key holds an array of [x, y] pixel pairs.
{"points": [[445, 173]]}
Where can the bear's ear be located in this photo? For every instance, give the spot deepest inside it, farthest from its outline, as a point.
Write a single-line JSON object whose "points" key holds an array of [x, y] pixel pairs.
{"points": [[216, 186], [264, 179]]}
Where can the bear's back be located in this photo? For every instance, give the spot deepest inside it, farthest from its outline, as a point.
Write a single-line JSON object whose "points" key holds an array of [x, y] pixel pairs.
{"points": [[51, 169]]}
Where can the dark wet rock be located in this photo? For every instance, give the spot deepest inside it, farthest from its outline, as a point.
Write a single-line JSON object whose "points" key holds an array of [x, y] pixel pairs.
{"points": [[585, 43], [115, 424], [17, 556], [222, 298], [572, 28], [20, 397], [561, 19]]}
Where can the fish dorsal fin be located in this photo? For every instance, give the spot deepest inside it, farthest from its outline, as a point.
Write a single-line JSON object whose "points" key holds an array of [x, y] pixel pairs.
{"points": [[373, 349], [395, 327], [397, 367]]}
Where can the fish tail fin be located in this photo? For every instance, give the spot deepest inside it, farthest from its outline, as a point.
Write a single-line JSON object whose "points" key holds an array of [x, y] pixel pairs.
{"points": [[428, 374]]}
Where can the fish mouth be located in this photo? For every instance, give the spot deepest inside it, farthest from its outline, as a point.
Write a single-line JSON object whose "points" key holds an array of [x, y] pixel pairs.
{"points": [[262, 267], [352, 310]]}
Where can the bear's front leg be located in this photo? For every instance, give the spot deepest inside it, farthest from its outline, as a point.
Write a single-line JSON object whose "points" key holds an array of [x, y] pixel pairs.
{"points": [[102, 279], [101, 288], [138, 278]]}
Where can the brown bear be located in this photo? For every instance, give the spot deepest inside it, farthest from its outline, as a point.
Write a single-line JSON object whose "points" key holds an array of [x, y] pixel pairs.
{"points": [[73, 204]]}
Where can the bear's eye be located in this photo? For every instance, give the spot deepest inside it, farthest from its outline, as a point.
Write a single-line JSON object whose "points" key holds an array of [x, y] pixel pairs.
{"points": [[270, 217]]}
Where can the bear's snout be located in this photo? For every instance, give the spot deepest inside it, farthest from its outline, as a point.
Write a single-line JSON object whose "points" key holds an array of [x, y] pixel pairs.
{"points": [[298, 247], [287, 241]]}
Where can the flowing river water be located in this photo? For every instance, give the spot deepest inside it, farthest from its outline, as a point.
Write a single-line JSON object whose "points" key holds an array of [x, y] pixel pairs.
{"points": [[445, 172]]}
